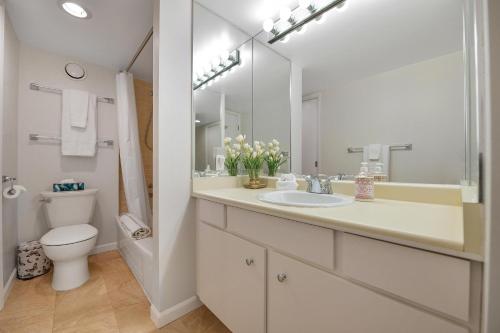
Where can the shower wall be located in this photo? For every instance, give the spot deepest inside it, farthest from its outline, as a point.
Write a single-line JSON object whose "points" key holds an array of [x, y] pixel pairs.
{"points": [[144, 104]]}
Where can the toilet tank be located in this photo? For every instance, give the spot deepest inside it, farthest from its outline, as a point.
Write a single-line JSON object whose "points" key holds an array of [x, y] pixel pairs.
{"points": [[69, 208]]}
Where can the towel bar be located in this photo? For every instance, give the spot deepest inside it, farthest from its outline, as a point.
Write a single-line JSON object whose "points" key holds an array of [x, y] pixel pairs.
{"points": [[38, 137], [406, 146]]}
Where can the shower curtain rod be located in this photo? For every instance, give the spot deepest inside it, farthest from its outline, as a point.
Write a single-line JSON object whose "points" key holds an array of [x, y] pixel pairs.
{"points": [[139, 50]]}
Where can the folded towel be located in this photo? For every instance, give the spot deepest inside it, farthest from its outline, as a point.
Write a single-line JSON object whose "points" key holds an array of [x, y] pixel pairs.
{"points": [[77, 102], [374, 151], [134, 227], [78, 141]]}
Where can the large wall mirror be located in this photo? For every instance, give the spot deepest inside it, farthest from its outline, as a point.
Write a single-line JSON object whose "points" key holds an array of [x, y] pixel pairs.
{"points": [[387, 82]]}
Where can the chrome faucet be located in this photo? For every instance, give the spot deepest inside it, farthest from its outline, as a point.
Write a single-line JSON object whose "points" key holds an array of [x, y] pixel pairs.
{"points": [[320, 184]]}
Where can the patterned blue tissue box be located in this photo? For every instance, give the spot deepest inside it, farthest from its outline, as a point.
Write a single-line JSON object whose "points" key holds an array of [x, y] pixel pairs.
{"points": [[68, 187]]}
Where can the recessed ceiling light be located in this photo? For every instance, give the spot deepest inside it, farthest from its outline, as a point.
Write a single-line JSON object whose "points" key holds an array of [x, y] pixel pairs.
{"points": [[197, 121], [74, 9]]}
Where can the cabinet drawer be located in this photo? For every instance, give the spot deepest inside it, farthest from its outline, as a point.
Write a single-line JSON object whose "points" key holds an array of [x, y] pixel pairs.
{"points": [[311, 300], [305, 241], [434, 280], [211, 213]]}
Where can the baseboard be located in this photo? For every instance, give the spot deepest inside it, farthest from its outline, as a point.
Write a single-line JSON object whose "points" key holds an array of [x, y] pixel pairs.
{"points": [[161, 319], [104, 248], [7, 288]]}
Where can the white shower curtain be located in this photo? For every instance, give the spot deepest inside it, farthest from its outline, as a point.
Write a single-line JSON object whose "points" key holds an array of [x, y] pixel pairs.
{"points": [[134, 182]]}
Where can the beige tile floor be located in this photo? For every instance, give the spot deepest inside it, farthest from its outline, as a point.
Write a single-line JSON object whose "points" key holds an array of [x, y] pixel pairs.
{"points": [[111, 301]]}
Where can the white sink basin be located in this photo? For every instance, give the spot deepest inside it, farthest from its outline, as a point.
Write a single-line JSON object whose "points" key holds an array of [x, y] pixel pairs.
{"points": [[303, 199]]}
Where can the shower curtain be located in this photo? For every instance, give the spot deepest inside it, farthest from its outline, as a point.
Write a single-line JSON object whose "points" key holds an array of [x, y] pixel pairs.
{"points": [[134, 182]]}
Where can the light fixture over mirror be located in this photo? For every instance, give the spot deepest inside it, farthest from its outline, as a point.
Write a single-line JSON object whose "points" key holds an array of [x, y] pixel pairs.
{"points": [[216, 69], [296, 19]]}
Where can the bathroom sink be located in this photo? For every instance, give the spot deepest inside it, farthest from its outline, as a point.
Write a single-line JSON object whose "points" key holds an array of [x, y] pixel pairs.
{"points": [[303, 199]]}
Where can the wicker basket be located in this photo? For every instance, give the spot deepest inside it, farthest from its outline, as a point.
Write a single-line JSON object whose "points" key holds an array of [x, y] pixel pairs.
{"points": [[31, 260]]}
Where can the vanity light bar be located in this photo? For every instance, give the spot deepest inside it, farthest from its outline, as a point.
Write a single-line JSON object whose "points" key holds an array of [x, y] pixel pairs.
{"points": [[232, 60], [297, 25]]}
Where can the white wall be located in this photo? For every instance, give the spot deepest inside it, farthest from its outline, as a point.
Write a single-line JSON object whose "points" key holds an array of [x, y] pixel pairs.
{"points": [[296, 118], [41, 164], [174, 211], [421, 104], [9, 145]]}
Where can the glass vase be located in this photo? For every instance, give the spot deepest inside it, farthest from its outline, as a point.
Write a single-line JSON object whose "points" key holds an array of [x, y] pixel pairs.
{"points": [[232, 171], [272, 170], [254, 180]]}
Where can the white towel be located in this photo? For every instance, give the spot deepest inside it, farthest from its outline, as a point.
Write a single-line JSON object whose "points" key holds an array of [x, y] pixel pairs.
{"points": [[77, 141], [384, 157], [374, 151], [135, 228], [77, 101]]}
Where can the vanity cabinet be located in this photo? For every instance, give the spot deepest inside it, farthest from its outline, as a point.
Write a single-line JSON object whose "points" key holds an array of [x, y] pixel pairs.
{"points": [[302, 299], [231, 279], [261, 273]]}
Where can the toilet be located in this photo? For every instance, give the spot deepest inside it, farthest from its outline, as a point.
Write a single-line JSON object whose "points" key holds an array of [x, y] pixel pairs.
{"points": [[71, 237]]}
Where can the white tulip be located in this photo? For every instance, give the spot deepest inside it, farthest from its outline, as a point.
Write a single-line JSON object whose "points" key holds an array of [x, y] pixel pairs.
{"points": [[240, 138], [227, 140], [254, 154], [276, 142]]}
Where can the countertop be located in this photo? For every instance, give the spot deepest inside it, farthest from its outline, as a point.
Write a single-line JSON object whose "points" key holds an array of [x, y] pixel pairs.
{"points": [[435, 227]]}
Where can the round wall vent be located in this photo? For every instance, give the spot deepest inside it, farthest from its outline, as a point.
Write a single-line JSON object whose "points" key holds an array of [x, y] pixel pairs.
{"points": [[75, 71]]}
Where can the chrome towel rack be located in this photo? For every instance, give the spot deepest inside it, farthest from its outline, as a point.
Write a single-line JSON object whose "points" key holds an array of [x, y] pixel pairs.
{"points": [[405, 146], [38, 137], [36, 86]]}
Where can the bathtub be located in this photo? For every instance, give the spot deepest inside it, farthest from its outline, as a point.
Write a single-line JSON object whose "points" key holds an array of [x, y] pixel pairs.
{"points": [[139, 257]]}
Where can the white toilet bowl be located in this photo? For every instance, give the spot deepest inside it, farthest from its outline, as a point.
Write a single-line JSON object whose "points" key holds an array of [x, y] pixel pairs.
{"points": [[71, 237], [68, 247]]}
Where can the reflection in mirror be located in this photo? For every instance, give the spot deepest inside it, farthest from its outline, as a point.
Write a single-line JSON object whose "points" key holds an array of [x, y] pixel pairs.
{"points": [[223, 105], [271, 101], [251, 98], [389, 92]]}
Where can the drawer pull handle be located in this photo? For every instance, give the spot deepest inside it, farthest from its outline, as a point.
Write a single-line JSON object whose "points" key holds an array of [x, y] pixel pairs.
{"points": [[249, 261], [281, 277]]}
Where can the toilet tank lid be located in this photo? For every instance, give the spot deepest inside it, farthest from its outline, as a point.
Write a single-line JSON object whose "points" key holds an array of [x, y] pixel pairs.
{"points": [[69, 235], [48, 194]]}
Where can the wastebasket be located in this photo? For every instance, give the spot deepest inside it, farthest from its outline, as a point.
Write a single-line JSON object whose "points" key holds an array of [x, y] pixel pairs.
{"points": [[31, 260]]}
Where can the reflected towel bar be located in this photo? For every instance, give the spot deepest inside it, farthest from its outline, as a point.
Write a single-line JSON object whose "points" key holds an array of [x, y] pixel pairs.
{"points": [[406, 146], [38, 137], [36, 86]]}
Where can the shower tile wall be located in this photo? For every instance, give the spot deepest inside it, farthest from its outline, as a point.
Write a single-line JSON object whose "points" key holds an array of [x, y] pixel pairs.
{"points": [[144, 103]]}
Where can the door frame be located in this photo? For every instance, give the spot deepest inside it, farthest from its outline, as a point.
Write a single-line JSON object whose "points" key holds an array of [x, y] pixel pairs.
{"points": [[309, 97]]}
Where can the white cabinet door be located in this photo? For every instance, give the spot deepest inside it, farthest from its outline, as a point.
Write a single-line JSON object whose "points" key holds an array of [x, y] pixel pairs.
{"points": [[310, 300], [231, 279], [244, 289]]}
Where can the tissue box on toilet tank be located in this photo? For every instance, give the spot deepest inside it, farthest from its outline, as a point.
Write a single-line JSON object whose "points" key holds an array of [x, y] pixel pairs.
{"points": [[63, 187]]}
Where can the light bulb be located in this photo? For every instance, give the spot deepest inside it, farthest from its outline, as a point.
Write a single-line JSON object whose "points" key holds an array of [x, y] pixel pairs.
{"points": [[268, 25], [203, 87], [285, 13], [304, 3]]}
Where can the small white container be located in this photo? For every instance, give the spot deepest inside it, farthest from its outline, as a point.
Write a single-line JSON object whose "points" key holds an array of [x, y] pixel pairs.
{"points": [[287, 182]]}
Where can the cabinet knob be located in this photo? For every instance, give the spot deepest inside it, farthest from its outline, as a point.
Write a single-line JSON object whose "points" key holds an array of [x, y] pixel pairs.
{"points": [[249, 261], [281, 277]]}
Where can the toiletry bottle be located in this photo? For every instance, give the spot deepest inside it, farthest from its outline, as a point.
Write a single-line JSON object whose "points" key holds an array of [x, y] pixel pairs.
{"points": [[365, 189], [378, 173]]}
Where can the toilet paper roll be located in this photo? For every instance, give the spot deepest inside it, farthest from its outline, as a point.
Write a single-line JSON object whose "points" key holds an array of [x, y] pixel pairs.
{"points": [[18, 189]]}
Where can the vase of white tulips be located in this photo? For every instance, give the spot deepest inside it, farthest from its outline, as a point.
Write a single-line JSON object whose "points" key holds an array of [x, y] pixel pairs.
{"points": [[274, 157], [253, 160], [233, 155]]}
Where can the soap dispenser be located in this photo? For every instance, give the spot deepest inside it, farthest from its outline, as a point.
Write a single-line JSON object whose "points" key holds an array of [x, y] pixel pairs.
{"points": [[365, 187]]}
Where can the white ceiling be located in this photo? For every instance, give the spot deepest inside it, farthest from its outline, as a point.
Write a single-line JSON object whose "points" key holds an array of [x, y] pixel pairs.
{"points": [[109, 38], [143, 65], [368, 37]]}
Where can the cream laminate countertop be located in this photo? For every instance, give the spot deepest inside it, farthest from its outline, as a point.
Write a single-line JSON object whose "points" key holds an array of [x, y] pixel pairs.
{"points": [[435, 227]]}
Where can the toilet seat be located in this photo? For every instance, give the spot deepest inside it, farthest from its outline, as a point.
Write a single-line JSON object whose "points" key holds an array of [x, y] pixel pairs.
{"points": [[68, 235]]}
